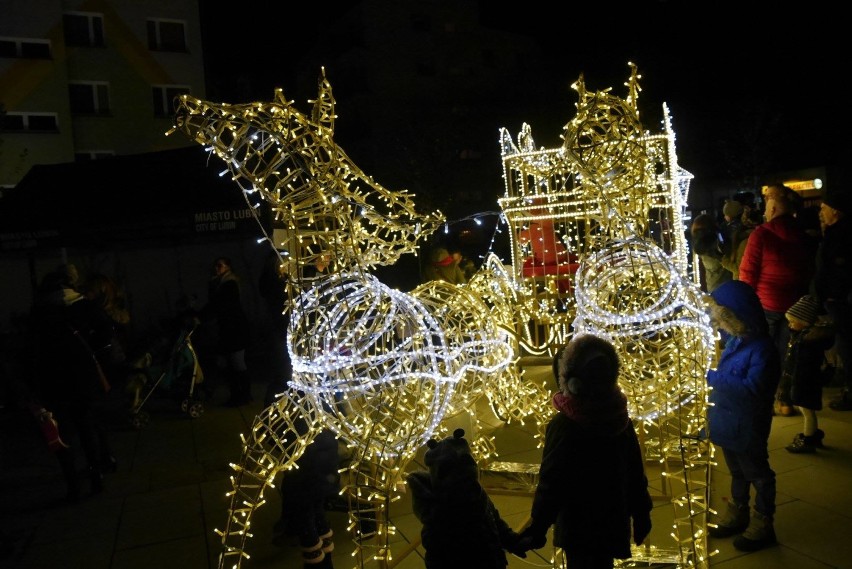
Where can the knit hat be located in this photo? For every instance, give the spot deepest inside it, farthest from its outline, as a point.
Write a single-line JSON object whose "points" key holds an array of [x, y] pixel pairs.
{"points": [[587, 366], [806, 309], [732, 209], [450, 459], [837, 200]]}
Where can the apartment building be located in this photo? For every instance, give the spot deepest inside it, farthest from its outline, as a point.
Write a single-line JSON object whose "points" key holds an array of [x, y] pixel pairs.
{"points": [[87, 79]]}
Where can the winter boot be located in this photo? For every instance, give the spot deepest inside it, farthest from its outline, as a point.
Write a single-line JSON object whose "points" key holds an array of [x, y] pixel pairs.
{"points": [[734, 521], [313, 556], [819, 435], [758, 535], [327, 543], [802, 444], [326, 563]]}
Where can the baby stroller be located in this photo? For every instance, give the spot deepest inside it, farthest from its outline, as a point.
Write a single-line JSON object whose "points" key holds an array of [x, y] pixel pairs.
{"points": [[176, 374]]}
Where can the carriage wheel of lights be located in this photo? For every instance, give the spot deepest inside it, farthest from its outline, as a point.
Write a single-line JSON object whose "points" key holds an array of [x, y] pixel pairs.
{"points": [[379, 367], [521, 400], [360, 342], [596, 194]]}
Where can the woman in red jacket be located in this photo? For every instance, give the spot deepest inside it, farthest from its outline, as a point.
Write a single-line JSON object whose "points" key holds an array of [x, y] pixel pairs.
{"points": [[778, 263]]}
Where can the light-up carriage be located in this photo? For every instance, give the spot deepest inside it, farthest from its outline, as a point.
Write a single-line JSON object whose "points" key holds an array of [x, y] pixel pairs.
{"points": [[560, 208], [598, 246]]}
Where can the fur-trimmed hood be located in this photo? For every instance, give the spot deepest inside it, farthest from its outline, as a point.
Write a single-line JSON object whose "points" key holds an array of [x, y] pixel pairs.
{"points": [[736, 309]]}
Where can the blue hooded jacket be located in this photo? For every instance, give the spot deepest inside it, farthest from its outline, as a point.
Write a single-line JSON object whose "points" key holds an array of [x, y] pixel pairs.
{"points": [[744, 382]]}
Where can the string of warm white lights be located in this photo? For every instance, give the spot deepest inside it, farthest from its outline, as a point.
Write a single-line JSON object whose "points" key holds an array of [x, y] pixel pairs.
{"points": [[314, 189], [379, 367], [594, 230]]}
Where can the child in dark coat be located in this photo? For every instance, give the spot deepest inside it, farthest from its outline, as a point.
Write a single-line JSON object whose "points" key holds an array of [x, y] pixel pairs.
{"points": [[304, 492], [802, 364], [462, 528], [592, 480]]}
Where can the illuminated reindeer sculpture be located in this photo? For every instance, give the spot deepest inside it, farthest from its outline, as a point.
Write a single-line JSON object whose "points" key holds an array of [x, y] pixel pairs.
{"points": [[384, 369], [377, 366]]}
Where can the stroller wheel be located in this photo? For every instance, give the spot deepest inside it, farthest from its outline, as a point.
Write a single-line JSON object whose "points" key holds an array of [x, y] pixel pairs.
{"points": [[196, 409], [184, 405], [140, 419]]}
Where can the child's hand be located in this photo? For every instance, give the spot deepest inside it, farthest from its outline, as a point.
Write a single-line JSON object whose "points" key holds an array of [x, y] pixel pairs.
{"points": [[533, 538], [517, 545]]}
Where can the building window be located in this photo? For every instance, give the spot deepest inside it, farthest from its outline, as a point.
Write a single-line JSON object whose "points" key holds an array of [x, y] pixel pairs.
{"points": [[89, 97], [164, 96], [83, 29], [25, 48], [87, 156], [166, 35], [29, 122]]}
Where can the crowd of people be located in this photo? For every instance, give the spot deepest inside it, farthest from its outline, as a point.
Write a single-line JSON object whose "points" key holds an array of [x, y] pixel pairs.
{"points": [[778, 294], [783, 254], [72, 361], [782, 306], [61, 364]]}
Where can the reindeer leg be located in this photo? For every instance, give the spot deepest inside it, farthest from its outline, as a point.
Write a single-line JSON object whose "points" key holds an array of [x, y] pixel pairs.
{"points": [[272, 446]]}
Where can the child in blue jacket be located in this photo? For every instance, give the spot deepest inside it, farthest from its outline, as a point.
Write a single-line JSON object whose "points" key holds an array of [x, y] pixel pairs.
{"points": [[742, 393]]}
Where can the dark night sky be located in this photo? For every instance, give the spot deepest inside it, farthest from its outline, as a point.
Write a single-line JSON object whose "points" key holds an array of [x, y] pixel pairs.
{"points": [[759, 88]]}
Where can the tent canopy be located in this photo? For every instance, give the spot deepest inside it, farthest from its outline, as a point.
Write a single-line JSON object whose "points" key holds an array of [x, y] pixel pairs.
{"points": [[171, 195]]}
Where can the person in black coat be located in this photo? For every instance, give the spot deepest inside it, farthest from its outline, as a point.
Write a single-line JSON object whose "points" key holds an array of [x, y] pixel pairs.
{"points": [[272, 286], [833, 284], [462, 528], [67, 332], [592, 480], [224, 306]]}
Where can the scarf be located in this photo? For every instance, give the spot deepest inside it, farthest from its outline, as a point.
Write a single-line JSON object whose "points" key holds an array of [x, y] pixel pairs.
{"points": [[606, 412]]}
